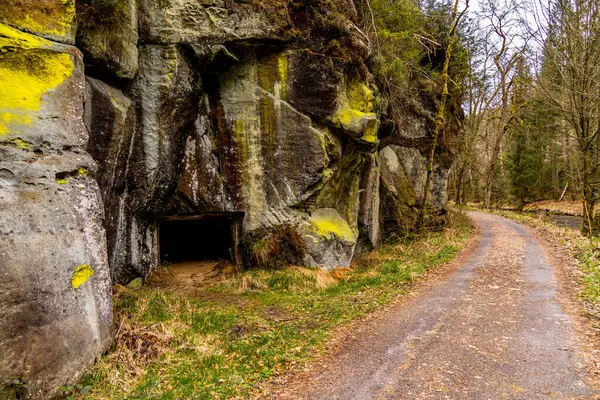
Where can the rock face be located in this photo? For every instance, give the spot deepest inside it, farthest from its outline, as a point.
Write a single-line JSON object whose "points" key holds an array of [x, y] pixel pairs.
{"points": [[226, 114], [189, 109], [55, 306]]}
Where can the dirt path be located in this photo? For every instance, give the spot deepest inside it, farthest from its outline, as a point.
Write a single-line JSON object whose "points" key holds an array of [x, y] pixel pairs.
{"points": [[493, 330]]}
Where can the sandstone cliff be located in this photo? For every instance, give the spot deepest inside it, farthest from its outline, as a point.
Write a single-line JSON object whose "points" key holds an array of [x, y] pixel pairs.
{"points": [[138, 111]]}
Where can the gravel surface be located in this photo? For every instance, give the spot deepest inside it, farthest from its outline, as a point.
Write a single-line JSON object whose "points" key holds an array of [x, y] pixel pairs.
{"points": [[494, 329]]}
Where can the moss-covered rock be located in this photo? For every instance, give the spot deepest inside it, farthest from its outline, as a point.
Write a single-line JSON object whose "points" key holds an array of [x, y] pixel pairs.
{"points": [[354, 113], [110, 116], [275, 157], [328, 224], [51, 19], [397, 193], [330, 240], [342, 191], [369, 224]]}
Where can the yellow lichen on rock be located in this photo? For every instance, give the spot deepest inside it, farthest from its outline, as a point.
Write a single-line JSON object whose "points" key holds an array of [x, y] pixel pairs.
{"points": [[44, 17], [370, 138], [82, 273], [328, 223], [355, 113], [282, 64], [10, 37], [360, 97], [356, 121], [28, 69], [348, 116], [21, 144]]}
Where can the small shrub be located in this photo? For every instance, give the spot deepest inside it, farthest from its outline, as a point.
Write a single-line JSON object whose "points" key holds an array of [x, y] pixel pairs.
{"points": [[265, 249], [278, 248]]}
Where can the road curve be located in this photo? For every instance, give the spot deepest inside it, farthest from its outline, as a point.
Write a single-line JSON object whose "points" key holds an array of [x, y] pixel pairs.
{"points": [[493, 330]]}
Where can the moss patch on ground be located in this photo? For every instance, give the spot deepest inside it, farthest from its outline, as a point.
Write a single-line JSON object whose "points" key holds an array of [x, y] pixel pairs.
{"points": [[224, 341]]}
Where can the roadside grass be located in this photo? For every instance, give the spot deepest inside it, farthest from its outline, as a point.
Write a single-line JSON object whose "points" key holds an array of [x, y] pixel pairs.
{"points": [[224, 341], [586, 251]]}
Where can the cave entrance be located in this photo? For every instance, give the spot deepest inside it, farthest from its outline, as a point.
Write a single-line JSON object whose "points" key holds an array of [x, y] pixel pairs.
{"points": [[202, 237]]}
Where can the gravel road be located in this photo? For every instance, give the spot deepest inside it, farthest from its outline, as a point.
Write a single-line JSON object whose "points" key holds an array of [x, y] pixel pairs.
{"points": [[494, 329]]}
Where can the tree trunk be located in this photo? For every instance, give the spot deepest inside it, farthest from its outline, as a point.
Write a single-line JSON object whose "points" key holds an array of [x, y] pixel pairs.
{"points": [[439, 120], [491, 175]]}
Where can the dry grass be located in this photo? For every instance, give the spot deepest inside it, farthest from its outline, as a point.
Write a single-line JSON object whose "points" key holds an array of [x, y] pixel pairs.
{"points": [[265, 249], [294, 279], [224, 340], [322, 279], [271, 250], [135, 346], [557, 207]]}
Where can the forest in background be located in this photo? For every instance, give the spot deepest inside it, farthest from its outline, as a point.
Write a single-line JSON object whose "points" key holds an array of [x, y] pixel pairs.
{"points": [[532, 103]]}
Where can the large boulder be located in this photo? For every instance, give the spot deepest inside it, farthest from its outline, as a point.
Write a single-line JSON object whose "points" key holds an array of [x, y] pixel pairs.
{"points": [[414, 165], [166, 98], [201, 182], [369, 225], [140, 139], [55, 294], [231, 115], [331, 241]]}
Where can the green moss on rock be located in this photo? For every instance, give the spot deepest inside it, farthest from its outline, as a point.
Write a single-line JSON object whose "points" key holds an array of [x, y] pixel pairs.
{"points": [[355, 114]]}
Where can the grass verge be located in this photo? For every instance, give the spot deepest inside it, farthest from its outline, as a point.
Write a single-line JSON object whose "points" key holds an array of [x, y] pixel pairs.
{"points": [[225, 340]]}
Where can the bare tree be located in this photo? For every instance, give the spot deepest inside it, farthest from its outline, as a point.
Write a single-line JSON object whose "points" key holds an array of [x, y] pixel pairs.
{"points": [[503, 21], [570, 81]]}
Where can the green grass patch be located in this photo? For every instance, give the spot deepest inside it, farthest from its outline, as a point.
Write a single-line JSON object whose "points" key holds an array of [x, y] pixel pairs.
{"points": [[227, 339]]}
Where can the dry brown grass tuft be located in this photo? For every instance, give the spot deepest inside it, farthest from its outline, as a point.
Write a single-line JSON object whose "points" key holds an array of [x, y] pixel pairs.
{"points": [[134, 347], [341, 273], [265, 249], [162, 276], [248, 283], [323, 279]]}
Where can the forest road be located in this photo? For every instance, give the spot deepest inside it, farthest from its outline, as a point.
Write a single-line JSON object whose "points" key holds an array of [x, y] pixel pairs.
{"points": [[494, 329]]}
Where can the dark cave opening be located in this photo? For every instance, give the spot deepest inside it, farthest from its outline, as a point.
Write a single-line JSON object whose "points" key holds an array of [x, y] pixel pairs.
{"points": [[199, 237]]}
